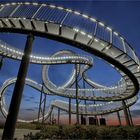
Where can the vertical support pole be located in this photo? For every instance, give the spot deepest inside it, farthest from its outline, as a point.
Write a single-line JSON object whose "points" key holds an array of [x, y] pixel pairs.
{"points": [[12, 116], [1, 62], [126, 113], [42, 105], [69, 110], [44, 108], [95, 115], [97, 122], [85, 101], [119, 118], [131, 120], [58, 116], [39, 111], [77, 103], [51, 118]]}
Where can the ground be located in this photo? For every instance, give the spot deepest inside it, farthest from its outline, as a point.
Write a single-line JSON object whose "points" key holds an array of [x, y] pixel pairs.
{"points": [[19, 133]]}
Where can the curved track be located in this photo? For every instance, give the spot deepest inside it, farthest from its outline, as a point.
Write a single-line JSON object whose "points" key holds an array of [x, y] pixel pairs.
{"points": [[93, 109], [66, 91], [82, 31]]}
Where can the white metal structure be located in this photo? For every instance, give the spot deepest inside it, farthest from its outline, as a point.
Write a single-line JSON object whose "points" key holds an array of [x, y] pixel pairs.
{"points": [[84, 32]]}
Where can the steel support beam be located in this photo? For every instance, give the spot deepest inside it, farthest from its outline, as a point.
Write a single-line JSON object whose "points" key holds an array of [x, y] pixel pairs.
{"points": [[58, 116], [44, 108], [119, 118], [97, 122], [51, 118], [85, 101], [1, 62], [39, 110], [69, 110], [12, 116], [42, 105], [126, 113], [131, 120], [77, 103]]}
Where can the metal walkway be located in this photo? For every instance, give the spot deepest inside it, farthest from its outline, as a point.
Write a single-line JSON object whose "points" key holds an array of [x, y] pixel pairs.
{"points": [[82, 31]]}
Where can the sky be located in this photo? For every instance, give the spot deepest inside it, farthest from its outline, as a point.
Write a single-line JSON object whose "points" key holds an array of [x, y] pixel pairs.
{"points": [[123, 16]]}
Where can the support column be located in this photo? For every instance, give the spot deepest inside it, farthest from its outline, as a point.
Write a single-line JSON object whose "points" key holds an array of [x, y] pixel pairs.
{"points": [[69, 110], [58, 116], [44, 108], [1, 62], [85, 101], [97, 123], [42, 105], [119, 118], [39, 111], [77, 103], [131, 120], [126, 113], [12, 116], [51, 118]]}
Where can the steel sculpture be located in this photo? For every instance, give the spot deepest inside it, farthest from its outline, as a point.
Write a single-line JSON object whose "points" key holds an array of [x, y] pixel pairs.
{"points": [[84, 32]]}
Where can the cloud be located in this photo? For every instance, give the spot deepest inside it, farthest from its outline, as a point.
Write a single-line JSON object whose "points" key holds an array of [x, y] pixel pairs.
{"points": [[24, 96], [32, 97], [36, 108], [137, 104], [28, 109], [9, 90], [36, 102], [135, 113], [27, 99], [8, 94]]}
